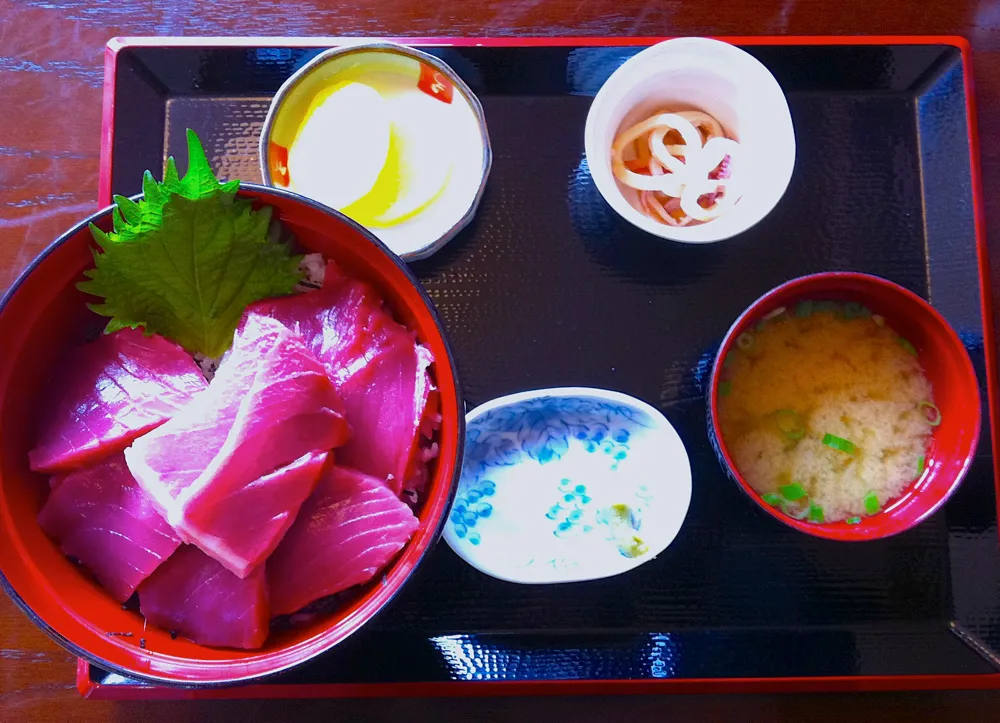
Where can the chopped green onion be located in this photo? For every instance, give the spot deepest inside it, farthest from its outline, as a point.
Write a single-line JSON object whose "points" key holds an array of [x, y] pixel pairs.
{"points": [[727, 362], [840, 444], [853, 520], [934, 418], [920, 465], [831, 307], [725, 388], [910, 349], [796, 514], [871, 503], [804, 309], [790, 423], [815, 512], [773, 499], [879, 320], [745, 341], [792, 492], [852, 310]]}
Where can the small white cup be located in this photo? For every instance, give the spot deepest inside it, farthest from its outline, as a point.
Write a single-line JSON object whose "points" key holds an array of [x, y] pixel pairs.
{"points": [[721, 80]]}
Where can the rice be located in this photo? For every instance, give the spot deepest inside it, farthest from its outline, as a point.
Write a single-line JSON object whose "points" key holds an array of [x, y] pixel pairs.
{"points": [[208, 364], [429, 453], [802, 377], [313, 268]]}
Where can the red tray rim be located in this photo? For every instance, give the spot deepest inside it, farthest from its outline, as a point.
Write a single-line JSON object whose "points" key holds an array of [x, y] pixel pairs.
{"points": [[93, 690]]}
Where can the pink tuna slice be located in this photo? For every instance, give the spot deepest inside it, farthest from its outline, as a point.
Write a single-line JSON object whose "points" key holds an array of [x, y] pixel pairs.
{"points": [[243, 531], [194, 595], [101, 517], [346, 532], [379, 369], [271, 403], [108, 393]]}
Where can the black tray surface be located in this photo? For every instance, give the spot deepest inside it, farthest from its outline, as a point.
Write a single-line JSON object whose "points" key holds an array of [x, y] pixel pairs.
{"points": [[548, 287]]}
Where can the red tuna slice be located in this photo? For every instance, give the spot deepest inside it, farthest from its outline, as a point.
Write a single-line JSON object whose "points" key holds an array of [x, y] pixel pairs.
{"points": [[342, 323], [101, 517], [194, 595], [346, 532], [271, 403], [379, 369], [242, 532], [387, 404], [110, 392]]}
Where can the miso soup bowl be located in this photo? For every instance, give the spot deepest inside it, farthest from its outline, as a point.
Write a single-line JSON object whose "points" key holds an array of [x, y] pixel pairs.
{"points": [[945, 362], [43, 316]]}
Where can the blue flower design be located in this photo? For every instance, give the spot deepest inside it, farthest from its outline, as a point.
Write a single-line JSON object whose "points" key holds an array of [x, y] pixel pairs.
{"points": [[568, 511], [542, 429], [470, 508]]}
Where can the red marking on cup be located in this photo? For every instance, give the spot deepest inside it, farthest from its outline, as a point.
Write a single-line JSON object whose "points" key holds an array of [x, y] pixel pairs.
{"points": [[278, 163], [434, 83]]}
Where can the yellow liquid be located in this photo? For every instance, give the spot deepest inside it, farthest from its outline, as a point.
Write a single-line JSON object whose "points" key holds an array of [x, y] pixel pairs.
{"points": [[799, 379]]}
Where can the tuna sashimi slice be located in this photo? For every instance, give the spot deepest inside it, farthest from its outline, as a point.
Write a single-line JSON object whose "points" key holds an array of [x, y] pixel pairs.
{"points": [[271, 403], [347, 531], [194, 595], [108, 393], [338, 323], [387, 405], [221, 530], [377, 366], [100, 517]]}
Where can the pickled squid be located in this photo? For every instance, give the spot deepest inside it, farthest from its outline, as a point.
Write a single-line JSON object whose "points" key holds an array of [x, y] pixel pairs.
{"points": [[681, 164]]}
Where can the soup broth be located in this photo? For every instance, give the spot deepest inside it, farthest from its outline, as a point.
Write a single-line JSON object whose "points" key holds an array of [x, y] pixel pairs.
{"points": [[826, 411]]}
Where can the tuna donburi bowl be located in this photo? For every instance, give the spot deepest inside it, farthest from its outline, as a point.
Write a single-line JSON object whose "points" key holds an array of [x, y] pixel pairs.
{"points": [[328, 419]]}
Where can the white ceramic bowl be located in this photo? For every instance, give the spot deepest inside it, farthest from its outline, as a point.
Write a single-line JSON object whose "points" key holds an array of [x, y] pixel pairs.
{"points": [[565, 485], [721, 80], [427, 231]]}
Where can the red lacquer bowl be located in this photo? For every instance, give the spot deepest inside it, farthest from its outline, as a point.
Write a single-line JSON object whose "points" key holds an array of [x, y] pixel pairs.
{"points": [[41, 317], [944, 360]]}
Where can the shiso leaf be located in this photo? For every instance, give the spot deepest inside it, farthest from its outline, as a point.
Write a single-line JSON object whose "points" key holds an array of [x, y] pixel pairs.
{"points": [[187, 259], [853, 520], [920, 465]]}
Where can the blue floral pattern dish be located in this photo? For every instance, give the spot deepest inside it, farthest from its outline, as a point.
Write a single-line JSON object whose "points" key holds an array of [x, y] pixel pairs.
{"points": [[564, 485]]}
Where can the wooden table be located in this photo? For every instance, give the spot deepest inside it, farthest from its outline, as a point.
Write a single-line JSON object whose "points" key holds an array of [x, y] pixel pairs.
{"points": [[50, 83]]}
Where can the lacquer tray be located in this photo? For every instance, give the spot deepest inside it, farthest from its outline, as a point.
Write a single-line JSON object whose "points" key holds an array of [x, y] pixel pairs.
{"points": [[548, 287]]}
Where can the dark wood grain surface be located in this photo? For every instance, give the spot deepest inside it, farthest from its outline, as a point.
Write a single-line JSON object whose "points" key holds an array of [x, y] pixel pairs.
{"points": [[50, 111]]}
